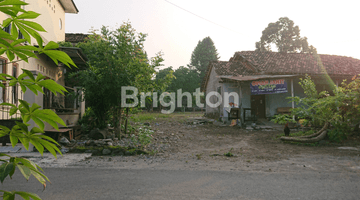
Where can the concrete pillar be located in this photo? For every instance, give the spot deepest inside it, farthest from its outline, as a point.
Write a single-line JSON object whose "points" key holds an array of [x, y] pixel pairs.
{"points": [[80, 100], [292, 95]]}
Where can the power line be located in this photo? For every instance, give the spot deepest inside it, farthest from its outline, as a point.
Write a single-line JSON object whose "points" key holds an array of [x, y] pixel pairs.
{"points": [[205, 18]]}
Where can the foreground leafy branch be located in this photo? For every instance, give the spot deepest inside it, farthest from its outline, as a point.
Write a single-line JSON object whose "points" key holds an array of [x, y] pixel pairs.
{"points": [[12, 46]]}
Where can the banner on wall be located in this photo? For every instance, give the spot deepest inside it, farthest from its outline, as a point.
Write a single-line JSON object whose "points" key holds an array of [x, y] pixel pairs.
{"points": [[274, 86]]}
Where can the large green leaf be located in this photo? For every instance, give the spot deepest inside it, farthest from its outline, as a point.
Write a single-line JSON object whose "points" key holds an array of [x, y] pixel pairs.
{"points": [[61, 56], [29, 74], [28, 15], [52, 86], [27, 195], [35, 170], [51, 45], [12, 2], [5, 170], [8, 195], [25, 171], [13, 139], [38, 122], [37, 145]]}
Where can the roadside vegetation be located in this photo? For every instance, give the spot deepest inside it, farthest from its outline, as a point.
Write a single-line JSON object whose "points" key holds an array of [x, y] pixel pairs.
{"points": [[338, 114], [11, 46]]}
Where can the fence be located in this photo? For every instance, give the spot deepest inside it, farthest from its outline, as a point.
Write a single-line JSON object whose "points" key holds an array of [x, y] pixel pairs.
{"points": [[9, 94], [69, 103]]}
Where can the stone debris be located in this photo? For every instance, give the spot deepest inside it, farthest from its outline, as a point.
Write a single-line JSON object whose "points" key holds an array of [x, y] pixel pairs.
{"points": [[106, 151], [349, 148], [63, 140]]}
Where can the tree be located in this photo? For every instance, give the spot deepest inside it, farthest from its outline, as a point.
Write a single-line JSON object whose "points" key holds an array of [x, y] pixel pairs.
{"points": [[341, 110], [203, 53], [186, 79], [116, 58], [285, 36], [11, 46]]}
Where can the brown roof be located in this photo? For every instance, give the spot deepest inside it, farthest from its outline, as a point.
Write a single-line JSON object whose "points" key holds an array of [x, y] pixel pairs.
{"points": [[273, 63], [299, 63], [75, 37]]}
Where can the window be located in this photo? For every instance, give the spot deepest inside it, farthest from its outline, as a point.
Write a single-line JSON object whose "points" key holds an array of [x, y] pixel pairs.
{"points": [[60, 24], [8, 29], [48, 99], [15, 87], [21, 36]]}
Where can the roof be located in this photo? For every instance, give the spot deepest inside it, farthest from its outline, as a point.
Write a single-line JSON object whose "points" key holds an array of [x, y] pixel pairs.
{"points": [[69, 6], [299, 63], [254, 63], [76, 55], [256, 77], [232, 68], [75, 37]]}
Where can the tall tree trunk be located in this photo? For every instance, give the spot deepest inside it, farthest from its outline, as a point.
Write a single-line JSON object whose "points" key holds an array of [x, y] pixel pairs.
{"points": [[117, 121], [126, 120]]}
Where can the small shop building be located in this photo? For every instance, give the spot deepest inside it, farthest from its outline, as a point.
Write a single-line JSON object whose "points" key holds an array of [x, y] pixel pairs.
{"points": [[263, 81]]}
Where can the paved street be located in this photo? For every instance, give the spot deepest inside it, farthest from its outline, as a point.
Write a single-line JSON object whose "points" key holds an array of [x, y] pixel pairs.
{"points": [[103, 183]]}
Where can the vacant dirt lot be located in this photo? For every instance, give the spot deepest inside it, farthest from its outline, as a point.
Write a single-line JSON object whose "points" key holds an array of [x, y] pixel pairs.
{"points": [[180, 143]]}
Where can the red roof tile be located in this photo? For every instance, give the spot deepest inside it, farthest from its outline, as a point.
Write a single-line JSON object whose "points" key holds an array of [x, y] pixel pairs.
{"points": [[274, 63], [299, 63]]}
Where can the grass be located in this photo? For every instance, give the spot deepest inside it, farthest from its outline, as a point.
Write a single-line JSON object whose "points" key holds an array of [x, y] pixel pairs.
{"points": [[149, 117], [228, 154], [146, 117]]}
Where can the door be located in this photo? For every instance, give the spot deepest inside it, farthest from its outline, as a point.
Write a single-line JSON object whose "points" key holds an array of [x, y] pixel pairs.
{"points": [[258, 105]]}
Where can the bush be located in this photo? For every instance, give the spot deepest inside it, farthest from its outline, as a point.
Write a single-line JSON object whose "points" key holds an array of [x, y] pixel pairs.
{"points": [[283, 119]]}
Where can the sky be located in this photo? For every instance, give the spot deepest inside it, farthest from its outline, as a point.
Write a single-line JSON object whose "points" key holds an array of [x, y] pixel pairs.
{"points": [[174, 27]]}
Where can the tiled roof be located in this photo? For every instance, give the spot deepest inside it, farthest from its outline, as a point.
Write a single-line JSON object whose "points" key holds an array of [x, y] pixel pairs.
{"points": [[247, 63], [299, 63], [231, 68], [75, 37], [223, 68]]}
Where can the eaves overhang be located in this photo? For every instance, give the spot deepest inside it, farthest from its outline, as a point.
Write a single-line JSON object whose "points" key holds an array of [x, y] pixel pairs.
{"points": [[69, 6]]}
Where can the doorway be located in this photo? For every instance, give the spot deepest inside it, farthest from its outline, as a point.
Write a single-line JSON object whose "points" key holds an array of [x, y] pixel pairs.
{"points": [[258, 105]]}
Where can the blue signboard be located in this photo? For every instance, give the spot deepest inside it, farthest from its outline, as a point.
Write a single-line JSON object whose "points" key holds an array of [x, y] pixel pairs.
{"points": [[268, 86]]}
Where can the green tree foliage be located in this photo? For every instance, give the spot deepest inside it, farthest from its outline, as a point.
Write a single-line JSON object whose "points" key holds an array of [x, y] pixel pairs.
{"points": [[163, 79], [285, 36], [185, 79], [203, 53], [10, 45], [341, 109], [116, 58]]}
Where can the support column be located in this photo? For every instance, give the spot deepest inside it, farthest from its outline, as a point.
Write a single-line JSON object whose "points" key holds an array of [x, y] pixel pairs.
{"points": [[80, 100], [292, 95]]}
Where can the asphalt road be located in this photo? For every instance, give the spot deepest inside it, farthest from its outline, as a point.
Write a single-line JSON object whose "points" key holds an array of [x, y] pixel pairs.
{"points": [[102, 183]]}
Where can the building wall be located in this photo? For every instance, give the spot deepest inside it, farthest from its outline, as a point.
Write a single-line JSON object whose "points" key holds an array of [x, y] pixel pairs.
{"points": [[52, 18], [52, 14], [230, 88], [212, 85], [272, 101]]}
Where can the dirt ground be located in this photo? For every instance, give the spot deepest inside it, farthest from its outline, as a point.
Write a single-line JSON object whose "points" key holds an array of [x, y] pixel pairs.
{"points": [[180, 144]]}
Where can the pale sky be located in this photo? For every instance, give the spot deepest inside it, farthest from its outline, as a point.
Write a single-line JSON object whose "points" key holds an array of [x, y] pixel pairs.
{"points": [[330, 26]]}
